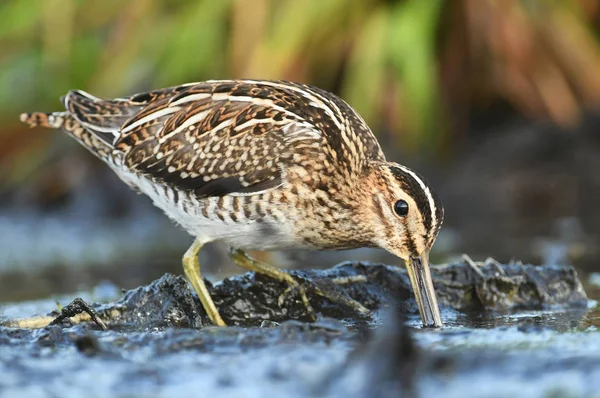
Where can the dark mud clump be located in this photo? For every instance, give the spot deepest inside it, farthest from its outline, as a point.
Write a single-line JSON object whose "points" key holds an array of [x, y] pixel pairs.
{"points": [[251, 299]]}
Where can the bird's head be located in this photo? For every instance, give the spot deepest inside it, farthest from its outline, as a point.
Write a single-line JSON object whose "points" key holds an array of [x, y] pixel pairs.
{"points": [[405, 215]]}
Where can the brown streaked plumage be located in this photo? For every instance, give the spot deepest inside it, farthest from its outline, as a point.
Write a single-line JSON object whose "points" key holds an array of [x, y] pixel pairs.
{"points": [[261, 165]]}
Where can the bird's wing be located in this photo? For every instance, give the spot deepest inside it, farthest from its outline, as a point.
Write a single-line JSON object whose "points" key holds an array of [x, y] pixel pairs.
{"points": [[227, 137]]}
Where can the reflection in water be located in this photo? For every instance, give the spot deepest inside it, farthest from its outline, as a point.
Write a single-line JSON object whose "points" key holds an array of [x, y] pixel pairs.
{"points": [[560, 321]]}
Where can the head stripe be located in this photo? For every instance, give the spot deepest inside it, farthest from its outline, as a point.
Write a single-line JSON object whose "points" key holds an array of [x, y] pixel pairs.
{"points": [[430, 213]]}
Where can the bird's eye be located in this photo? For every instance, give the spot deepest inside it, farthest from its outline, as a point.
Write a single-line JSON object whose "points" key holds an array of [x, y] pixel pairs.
{"points": [[401, 208]]}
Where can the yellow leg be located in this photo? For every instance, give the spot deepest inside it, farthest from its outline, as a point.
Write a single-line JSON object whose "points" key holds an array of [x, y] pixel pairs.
{"points": [[191, 266], [245, 261]]}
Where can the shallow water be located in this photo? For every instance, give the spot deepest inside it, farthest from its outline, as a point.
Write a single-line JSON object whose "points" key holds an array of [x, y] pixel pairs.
{"points": [[537, 353], [549, 353]]}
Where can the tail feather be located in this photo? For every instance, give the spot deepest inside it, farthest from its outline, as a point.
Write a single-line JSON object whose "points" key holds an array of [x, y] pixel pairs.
{"points": [[52, 120], [102, 118], [94, 122], [66, 121]]}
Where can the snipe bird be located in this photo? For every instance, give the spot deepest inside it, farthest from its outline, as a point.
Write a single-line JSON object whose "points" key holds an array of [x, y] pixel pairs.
{"points": [[261, 165]]}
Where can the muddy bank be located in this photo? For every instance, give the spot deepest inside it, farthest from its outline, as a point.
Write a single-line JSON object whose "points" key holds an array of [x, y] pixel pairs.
{"points": [[250, 299], [159, 342]]}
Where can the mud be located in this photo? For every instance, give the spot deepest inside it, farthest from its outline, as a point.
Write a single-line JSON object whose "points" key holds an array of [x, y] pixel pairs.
{"points": [[250, 299], [507, 328]]}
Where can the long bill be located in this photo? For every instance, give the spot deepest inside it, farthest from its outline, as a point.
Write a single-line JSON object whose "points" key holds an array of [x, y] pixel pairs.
{"points": [[422, 284]]}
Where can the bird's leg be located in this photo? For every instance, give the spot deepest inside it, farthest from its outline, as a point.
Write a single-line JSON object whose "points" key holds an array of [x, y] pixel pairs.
{"points": [[191, 266], [245, 261]]}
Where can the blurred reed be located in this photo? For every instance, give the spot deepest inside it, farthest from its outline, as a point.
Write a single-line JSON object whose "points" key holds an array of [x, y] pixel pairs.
{"points": [[415, 69]]}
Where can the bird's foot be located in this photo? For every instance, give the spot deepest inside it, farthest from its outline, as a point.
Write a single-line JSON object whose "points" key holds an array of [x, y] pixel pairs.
{"points": [[294, 288], [245, 261], [327, 288]]}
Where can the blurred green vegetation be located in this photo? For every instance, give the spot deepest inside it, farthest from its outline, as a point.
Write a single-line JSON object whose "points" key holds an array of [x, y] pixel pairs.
{"points": [[415, 69]]}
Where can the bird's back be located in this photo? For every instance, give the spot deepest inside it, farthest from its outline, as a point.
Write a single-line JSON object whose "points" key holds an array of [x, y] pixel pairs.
{"points": [[219, 137], [211, 147]]}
